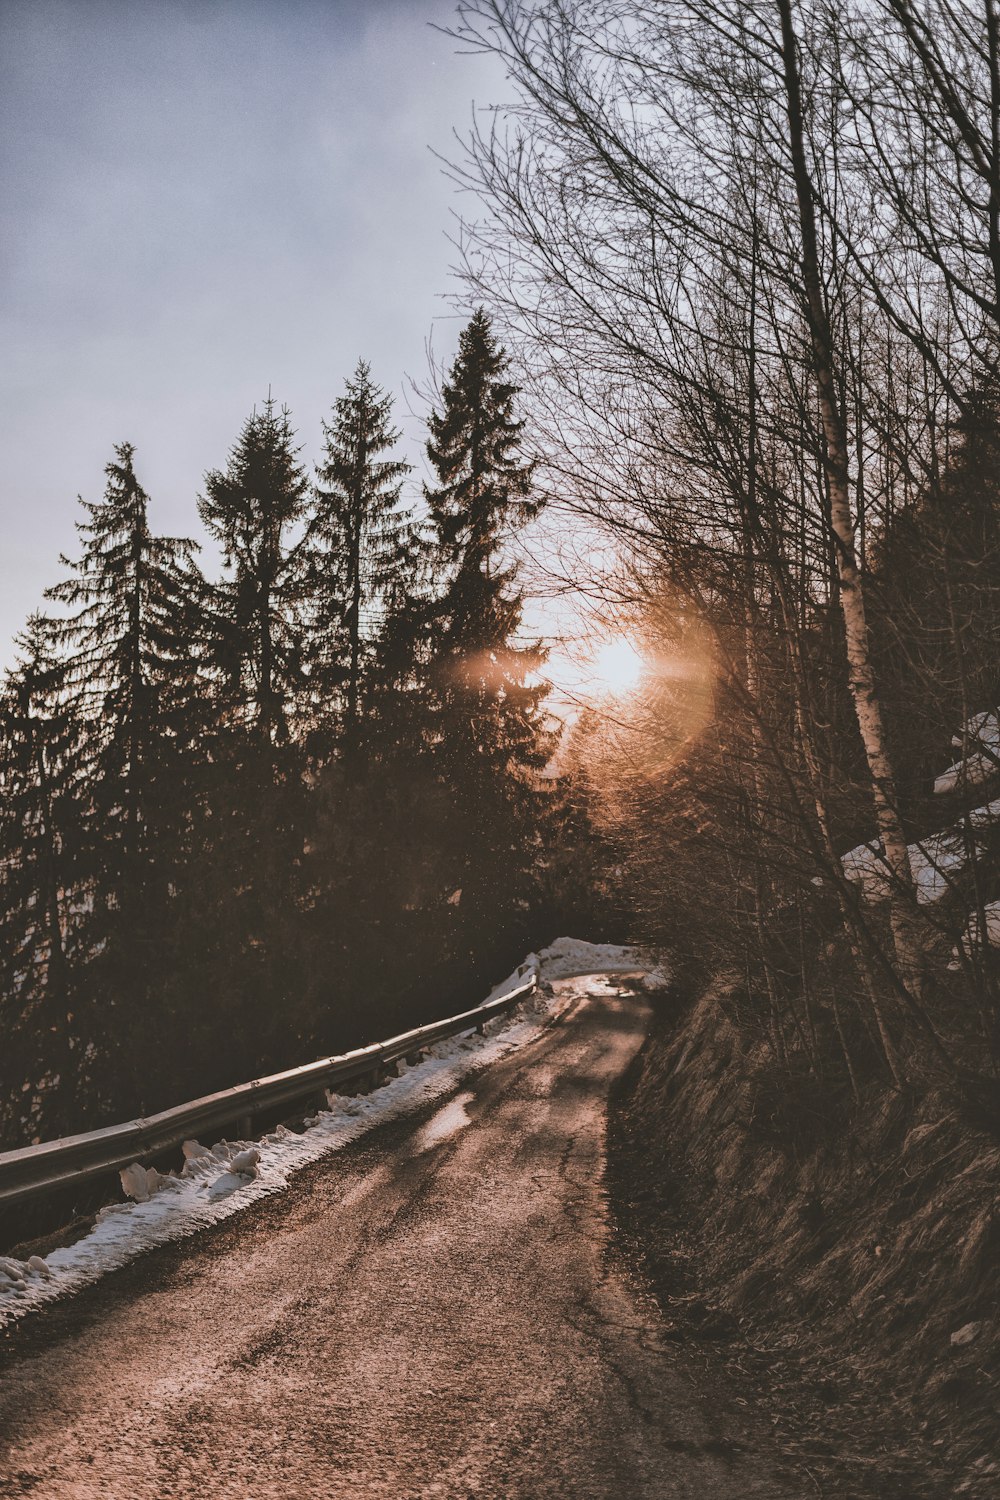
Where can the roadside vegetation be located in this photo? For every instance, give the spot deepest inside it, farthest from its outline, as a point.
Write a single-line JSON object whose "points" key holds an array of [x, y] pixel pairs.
{"points": [[253, 815], [748, 260]]}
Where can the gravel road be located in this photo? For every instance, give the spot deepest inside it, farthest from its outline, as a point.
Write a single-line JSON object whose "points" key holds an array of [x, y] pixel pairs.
{"points": [[438, 1310]]}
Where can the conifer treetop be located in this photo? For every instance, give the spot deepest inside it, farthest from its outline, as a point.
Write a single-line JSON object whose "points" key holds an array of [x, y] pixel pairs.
{"points": [[484, 488], [123, 589], [362, 547], [358, 494], [263, 489]]}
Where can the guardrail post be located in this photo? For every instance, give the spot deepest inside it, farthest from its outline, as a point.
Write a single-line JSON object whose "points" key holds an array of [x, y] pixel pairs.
{"points": [[369, 1081]]}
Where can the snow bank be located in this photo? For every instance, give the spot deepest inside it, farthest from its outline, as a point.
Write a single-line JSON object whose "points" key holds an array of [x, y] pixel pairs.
{"points": [[219, 1181], [568, 957]]}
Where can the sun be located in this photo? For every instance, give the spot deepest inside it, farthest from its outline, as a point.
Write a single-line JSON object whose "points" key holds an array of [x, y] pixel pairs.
{"points": [[618, 666]]}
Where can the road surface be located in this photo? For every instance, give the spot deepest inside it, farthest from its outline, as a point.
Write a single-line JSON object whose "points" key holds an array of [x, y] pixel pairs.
{"points": [[435, 1311]]}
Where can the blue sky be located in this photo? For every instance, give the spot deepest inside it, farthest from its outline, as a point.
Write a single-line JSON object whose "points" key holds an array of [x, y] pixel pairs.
{"points": [[200, 199]]}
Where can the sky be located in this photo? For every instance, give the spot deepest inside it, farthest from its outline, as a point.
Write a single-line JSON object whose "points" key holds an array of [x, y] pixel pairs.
{"points": [[201, 200]]}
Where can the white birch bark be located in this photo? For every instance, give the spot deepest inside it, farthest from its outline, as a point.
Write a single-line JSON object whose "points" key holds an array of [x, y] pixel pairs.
{"points": [[863, 686]]}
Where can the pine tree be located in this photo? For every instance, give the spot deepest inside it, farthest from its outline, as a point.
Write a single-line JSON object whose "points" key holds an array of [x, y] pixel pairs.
{"points": [[126, 640], [491, 743], [40, 1032], [936, 614], [252, 511], [247, 932], [364, 563], [127, 672], [362, 547]]}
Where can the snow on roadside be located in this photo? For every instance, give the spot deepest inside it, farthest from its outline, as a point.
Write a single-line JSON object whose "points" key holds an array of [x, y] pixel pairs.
{"points": [[568, 957], [217, 1182]]}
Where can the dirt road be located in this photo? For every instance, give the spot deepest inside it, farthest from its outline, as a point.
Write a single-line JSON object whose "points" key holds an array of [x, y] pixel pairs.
{"points": [[435, 1311]]}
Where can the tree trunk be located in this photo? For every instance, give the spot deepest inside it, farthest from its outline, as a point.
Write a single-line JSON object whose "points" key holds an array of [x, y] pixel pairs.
{"points": [[354, 612], [862, 677]]}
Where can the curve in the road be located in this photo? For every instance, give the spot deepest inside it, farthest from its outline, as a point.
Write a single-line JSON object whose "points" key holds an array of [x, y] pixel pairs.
{"points": [[436, 1311]]}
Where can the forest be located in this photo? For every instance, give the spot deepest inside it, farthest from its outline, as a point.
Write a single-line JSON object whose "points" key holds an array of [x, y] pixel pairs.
{"points": [[250, 819], [750, 263], [731, 276], [748, 259]]}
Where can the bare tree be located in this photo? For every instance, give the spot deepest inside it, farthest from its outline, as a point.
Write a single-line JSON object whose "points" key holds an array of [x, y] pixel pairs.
{"points": [[688, 227]]}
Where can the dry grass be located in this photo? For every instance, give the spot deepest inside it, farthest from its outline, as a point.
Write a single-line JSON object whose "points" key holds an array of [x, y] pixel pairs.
{"points": [[846, 1241]]}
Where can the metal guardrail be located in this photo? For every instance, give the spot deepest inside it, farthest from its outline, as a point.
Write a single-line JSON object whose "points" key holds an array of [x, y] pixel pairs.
{"points": [[75, 1160]]}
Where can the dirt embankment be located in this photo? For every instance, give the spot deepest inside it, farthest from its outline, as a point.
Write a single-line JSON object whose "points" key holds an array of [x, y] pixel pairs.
{"points": [[845, 1252]]}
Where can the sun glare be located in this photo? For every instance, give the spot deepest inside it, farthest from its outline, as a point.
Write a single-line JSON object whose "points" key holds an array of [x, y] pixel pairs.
{"points": [[618, 666]]}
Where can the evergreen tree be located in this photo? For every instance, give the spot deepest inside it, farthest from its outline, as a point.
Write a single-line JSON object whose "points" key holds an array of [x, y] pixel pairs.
{"points": [[362, 547], [365, 557], [252, 510], [41, 1034], [128, 664], [491, 743], [246, 930], [125, 670], [936, 619]]}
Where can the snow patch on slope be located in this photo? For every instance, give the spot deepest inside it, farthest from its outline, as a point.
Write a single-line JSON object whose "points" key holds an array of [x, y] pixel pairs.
{"points": [[981, 761], [940, 860], [219, 1181], [977, 933], [935, 861]]}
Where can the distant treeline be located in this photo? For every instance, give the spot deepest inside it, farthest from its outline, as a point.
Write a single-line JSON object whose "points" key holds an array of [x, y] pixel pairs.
{"points": [[249, 818]]}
